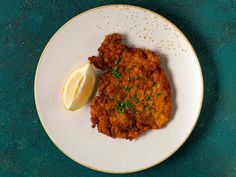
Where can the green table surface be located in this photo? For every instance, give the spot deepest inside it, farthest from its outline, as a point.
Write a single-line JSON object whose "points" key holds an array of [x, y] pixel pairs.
{"points": [[25, 28]]}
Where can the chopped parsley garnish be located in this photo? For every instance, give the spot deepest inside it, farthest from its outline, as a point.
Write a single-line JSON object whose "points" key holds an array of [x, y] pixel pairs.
{"points": [[115, 69], [115, 73], [144, 107], [126, 88], [158, 95], [132, 106], [126, 70], [135, 98], [129, 79], [146, 98], [134, 119], [126, 119], [121, 106], [127, 103], [117, 60]]}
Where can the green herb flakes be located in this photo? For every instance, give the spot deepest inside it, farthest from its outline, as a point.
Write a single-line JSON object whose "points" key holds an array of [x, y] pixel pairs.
{"points": [[136, 100], [129, 79], [126, 88], [115, 73], [158, 95], [116, 61], [146, 98], [134, 119], [122, 106]]}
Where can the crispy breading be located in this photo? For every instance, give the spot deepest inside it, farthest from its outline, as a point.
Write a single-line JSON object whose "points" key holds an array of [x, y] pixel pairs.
{"points": [[133, 94]]}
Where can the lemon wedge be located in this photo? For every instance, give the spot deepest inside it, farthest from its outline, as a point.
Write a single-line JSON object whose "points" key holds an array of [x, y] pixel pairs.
{"points": [[78, 87]]}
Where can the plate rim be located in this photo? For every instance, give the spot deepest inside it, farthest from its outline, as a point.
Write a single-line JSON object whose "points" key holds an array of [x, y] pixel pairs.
{"points": [[199, 71]]}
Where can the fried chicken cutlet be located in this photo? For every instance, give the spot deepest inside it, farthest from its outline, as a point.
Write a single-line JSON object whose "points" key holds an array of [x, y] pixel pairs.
{"points": [[133, 93]]}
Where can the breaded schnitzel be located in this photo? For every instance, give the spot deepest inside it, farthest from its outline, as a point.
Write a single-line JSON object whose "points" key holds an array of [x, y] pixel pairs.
{"points": [[133, 94]]}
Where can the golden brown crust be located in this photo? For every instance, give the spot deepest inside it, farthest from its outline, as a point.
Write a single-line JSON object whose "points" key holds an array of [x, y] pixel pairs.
{"points": [[133, 94]]}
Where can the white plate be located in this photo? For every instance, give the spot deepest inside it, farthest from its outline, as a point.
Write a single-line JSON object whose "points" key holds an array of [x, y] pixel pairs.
{"points": [[70, 47]]}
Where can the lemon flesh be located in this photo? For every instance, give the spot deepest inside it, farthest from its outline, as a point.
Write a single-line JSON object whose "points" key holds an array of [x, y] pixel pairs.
{"points": [[78, 87]]}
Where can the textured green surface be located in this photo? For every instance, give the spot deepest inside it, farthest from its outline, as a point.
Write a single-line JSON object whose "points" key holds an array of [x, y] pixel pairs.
{"points": [[25, 28]]}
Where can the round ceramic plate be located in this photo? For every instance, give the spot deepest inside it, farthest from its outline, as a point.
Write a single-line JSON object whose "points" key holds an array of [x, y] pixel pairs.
{"points": [[80, 38]]}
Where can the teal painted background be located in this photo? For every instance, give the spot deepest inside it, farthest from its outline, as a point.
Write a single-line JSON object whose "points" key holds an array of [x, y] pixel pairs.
{"points": [[25, 28]]}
